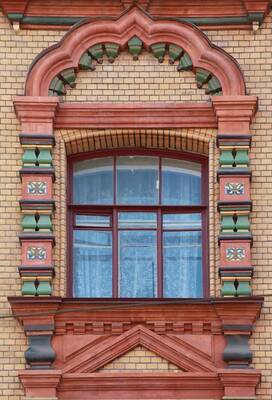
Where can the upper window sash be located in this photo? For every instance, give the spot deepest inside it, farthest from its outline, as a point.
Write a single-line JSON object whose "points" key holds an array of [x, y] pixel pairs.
{"points": [[137, 180]]}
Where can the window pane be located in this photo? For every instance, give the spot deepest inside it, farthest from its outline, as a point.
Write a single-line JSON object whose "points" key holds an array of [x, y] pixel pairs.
{"points": [[182, 221], [137, 220], [92, 264], [93, 220], [182, 264], [181, 182], [137, 180], [93, 181], [137, 264]]}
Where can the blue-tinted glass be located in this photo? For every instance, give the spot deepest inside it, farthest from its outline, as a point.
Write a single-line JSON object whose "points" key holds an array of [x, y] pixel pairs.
{"points": [[93, 220], [137, 180], [182, 256], [137, 264], [92, 263], [93, 181], [137, 220], [182, 221], [181, 182]]}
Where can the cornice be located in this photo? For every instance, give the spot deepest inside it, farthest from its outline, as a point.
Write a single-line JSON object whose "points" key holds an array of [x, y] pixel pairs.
{"points": [[220, 14], [215, 311]]}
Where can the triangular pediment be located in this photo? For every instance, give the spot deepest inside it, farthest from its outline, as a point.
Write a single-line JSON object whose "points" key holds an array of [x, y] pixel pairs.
{"points": [[139, 359], [182, 355]]}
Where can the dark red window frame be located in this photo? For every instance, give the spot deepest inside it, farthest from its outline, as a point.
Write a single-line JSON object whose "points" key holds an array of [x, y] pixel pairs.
{"points": [[113, 209]]}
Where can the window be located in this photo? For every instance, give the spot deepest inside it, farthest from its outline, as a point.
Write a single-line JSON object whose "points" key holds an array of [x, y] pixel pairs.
{"points": [[138, 226]]}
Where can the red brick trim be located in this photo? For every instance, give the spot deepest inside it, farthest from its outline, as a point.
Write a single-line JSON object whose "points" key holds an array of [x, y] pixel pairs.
{"points": [[232, 114], [67, 53], [201, 376], [135, 115]]}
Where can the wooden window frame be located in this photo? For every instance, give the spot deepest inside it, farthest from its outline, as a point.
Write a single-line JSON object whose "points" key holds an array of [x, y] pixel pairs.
{"points": [[159, 209]]}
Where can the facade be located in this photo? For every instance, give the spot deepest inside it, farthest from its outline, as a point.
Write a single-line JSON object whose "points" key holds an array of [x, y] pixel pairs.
{"points": [[135, 200]]}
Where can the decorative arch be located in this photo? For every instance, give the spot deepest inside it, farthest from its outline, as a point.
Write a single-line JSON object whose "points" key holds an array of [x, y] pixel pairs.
{"points": [[134, 23], [177, 140]]}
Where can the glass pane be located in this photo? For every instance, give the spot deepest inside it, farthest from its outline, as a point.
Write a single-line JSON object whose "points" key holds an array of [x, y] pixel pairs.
{"points": [[181, 182], [137, 180], [137, 264], [137, 220], [182, 221], [93, 220], [92, 264], [93, 181], [182, 255]]}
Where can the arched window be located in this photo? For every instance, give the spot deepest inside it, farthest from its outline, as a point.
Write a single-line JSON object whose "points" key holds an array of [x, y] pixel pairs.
{"points": [[138, 225]]}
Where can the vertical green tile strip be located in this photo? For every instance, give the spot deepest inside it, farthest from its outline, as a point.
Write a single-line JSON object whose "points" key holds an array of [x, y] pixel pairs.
{"points": [[242, 223], [45, 158], [29, 288], [44, 288], [44, 223], [244, 288], [241, 158], [227, 223], [228, 288], [29, 223], [226, 158], [29, 157]]}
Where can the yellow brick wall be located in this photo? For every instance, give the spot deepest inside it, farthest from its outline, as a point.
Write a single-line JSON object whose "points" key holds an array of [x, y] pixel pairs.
{"points": [[139, 359], [253, 51], [135, 81]]}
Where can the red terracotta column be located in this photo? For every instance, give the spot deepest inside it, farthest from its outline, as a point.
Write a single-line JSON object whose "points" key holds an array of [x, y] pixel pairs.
{"points": [[234, 115], [36, 115]]}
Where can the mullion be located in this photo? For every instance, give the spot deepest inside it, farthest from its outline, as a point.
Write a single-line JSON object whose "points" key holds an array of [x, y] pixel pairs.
{"points": [[159, 255], [137, 229], [114, 180], [167, 209], [182, 230], [115, 255], [160, 180]]}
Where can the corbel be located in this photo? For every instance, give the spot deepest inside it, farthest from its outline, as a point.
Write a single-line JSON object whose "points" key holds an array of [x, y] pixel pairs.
{"points": [[237, 353]]}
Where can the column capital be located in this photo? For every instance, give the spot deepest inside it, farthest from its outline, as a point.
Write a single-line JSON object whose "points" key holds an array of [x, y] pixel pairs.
{"points": [[36, 114], [234, 113]]}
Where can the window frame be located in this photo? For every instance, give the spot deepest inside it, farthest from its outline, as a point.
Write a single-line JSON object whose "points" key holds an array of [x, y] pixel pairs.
{"points": [[113, 209]]}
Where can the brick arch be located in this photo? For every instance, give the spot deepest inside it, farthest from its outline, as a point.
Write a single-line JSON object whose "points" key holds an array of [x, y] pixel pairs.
{"points": [[134, 22], [189, 140]]}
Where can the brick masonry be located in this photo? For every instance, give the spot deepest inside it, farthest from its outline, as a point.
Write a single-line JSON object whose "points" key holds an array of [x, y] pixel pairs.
{"points": [[140, 359], [119, 82]]}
